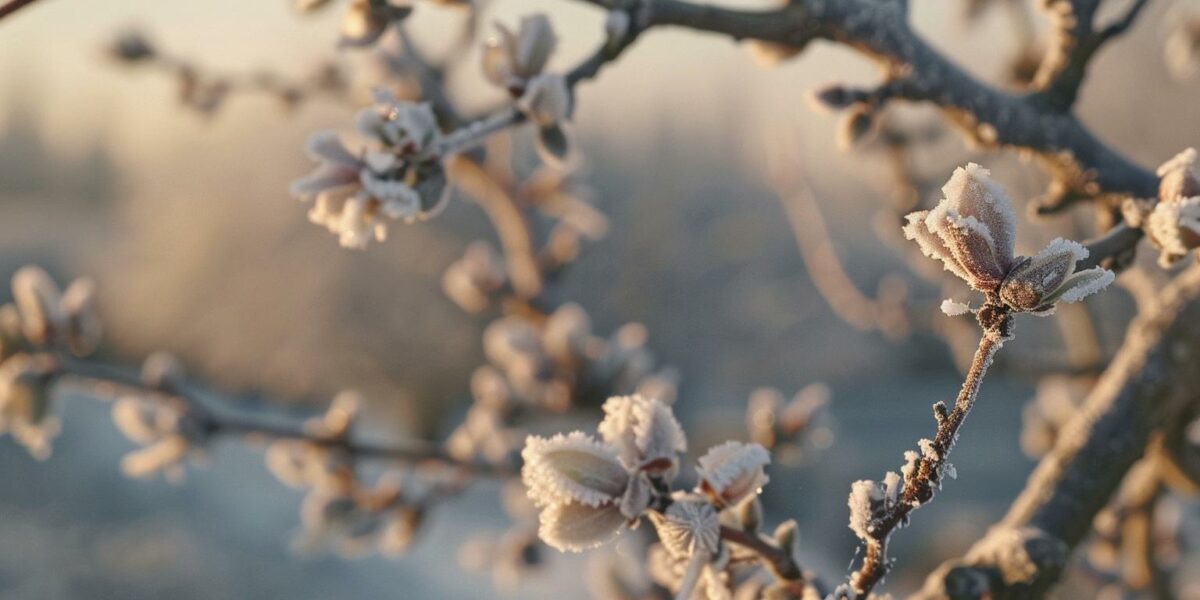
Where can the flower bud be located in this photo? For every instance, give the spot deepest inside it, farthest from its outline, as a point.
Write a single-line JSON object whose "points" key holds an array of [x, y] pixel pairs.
{"points": [[688, 526], [645, 433], [732, 472]]}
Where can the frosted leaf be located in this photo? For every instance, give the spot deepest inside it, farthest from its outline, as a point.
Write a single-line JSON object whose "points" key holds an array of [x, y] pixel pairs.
{"points": [[644, 431], [572, 468], [931, 244], [1084, 283], [578, 527], [954, 308], [637, 496], [688, 526], [732, 472], [1031, 286], [971, 192]]}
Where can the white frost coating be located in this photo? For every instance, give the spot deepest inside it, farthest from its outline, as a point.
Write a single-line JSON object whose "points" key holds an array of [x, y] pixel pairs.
{"points": [[642, 429], [572, 468], [954, 308], [864, 496], [576, 527], [927, 449], [733, 470], [971, 191], [950, 471], [910, 464], [930, 243], [892, 484], [1059, 246], [1085, 283], [944, 216]]}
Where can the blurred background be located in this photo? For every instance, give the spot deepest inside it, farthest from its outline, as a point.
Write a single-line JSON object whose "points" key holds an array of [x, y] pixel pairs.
{"points": [[186, 223]]}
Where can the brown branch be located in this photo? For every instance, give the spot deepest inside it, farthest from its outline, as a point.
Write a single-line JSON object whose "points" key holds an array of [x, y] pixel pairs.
{"points": [[925, 478], [222, 422], [13, 6], [1149, 384], [881, 31]]}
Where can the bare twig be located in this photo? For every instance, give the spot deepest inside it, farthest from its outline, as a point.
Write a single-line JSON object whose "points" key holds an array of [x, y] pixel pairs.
{"points": [[222, 422], [923, 480]]}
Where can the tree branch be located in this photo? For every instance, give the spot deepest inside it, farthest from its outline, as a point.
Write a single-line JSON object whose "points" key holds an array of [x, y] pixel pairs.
{"points": [[1150, 382], [13, 6]]}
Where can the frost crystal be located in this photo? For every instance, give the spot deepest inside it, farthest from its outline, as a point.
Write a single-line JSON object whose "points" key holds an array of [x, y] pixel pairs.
{"points": [[732, 472], [866, 497], [954, 308]]}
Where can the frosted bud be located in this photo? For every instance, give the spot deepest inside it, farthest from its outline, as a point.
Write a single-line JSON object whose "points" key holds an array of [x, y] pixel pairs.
{"points": [[732, 472], [25, 402], [547, 103], [400, 529], [1173, 224], [470, 280], [954, 308], [1037, 283], [1179, 177], [510, 60], [645, 433], [971, 230], [1182, 50], [689, 525], [162, 456], [572, 468], [338, 417], [510, 340], [38, 298]]}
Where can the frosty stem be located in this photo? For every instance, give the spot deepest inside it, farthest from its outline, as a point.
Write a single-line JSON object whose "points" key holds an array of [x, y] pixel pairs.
{"points": [[926, 477]]}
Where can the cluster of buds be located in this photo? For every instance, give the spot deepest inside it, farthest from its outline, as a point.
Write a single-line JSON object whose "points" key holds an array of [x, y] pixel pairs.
{"points": [[785, 426], [1172, 221], [589, 490], [549, 364], [516, 62], [400, 177], [40, 322], [339, 510], [972, 231]]}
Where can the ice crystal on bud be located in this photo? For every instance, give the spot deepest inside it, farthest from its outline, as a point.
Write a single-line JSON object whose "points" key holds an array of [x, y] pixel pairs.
{"points": [[954, 308], [972, 232], [732, 472], [866, 499], [645, 433], [511, 60], [572, 468], [401, 178], [688, 526]]}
